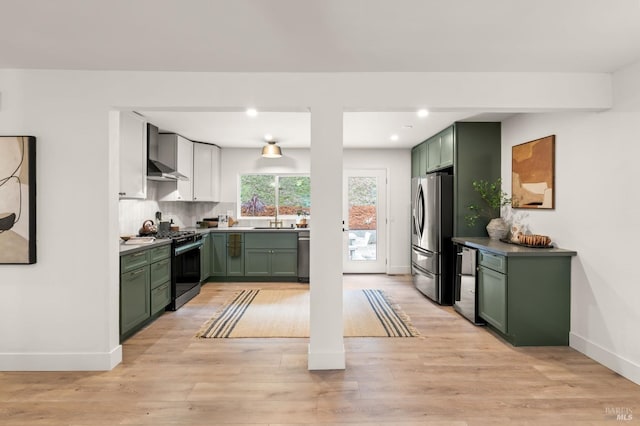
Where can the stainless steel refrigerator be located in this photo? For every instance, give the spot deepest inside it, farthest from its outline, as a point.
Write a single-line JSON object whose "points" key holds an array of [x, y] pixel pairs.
{"points": [[432, 252]]}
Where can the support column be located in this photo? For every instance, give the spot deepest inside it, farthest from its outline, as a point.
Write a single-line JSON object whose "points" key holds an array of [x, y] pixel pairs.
{"points": [[326, 344]]}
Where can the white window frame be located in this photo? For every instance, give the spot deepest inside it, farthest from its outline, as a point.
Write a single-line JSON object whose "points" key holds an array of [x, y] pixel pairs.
{"points": [[277, 197]]}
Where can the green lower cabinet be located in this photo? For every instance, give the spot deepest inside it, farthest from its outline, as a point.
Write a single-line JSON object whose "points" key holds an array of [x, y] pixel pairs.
{"points": [[205, 258], [257, 262], [218, 265], [271, 263], [492, 298], [284, 263], [235, 254], [262, 256], [526, 298], [135, 301], [144, 291]]}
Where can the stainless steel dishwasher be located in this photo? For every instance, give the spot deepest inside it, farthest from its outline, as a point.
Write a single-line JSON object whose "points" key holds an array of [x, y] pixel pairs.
{"points": [[465, 299], [303, 256]]}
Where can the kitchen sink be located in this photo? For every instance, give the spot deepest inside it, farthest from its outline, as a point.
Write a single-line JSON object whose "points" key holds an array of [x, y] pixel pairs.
{"points": [[270, 227]]}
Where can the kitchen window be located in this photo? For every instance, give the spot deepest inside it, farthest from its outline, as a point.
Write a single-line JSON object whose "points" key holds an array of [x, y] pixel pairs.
{"points": [[264, 195]]}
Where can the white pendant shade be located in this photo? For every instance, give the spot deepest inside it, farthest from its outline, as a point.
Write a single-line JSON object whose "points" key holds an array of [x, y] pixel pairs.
{"points": [[271, 150]]}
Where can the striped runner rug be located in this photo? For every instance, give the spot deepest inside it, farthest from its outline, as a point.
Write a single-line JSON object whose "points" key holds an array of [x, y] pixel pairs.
{"points": [[285, 313]]}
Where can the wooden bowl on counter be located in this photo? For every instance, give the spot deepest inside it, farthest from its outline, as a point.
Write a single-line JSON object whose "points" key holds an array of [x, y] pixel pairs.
{"points": [[126, 238]]}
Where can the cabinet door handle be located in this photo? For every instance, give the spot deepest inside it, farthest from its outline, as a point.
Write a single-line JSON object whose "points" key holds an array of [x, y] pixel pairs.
{"points": [[134, 273], [142, 253]]}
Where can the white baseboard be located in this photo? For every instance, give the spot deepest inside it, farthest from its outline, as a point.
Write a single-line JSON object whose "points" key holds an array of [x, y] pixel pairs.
{"points": [[624, 367], [326, 360], [398, 270], [95, 361]]}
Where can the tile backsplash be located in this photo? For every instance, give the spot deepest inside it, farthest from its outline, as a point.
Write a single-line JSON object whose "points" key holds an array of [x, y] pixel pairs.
{"points": [[132, 213]]}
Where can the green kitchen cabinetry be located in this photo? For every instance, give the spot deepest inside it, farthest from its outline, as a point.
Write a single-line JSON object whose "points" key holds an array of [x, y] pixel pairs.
{"points": [[269, 254], [524, 294], [205, 257], [254, 256], [145, 287], [218, 265], [492, 295], [419, 160], [470, 151], [235, 254], [476, 156], [440, 150], [135, 298]]}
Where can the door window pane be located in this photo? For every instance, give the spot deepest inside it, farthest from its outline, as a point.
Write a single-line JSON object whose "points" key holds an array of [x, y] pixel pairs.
{"points": [[363, 196]]}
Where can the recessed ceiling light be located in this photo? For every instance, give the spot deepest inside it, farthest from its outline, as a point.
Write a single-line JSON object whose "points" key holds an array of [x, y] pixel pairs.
{"points": [[268, 137], [394, 137], [422, 113], [252, 112]]}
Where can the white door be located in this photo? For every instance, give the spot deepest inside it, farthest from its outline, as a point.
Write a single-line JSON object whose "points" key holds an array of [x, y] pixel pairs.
{"points": [[365, 221]]}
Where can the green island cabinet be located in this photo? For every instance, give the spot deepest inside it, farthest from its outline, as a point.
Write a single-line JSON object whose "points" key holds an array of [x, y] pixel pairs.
{"points": [[145, 287], [468, 150], [524, 294]]}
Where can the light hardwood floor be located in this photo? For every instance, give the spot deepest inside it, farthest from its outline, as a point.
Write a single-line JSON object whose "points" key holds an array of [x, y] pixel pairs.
{"points": [[455, 374]]}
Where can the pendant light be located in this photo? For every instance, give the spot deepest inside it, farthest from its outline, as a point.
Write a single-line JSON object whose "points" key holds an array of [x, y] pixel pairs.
{"points": [[271, 150]]}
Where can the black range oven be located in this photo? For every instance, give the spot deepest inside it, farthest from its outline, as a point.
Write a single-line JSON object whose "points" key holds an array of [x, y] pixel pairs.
{"points": [[185, 267]]}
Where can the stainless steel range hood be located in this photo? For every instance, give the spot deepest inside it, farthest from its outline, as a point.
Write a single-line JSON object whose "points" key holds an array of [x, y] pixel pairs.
{"points": [[157, 170]]}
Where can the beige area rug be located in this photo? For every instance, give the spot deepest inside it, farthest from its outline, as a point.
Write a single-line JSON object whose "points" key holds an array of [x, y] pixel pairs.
{"points": [[285, 313]]}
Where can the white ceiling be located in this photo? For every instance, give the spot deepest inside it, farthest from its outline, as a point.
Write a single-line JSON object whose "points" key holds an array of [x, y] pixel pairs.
{"points": [[292, 129], [318, 36]]}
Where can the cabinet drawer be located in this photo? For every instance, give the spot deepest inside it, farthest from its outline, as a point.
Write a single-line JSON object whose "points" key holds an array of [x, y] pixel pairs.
{"points": [[493, 261], [160, 297], [133, 261], [160, 272], [159, 253]]}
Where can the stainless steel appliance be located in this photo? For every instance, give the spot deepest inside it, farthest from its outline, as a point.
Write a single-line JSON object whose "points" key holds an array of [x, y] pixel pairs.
{"points": [[303, 256], [432, 254], [185, 266], [465, 299]]}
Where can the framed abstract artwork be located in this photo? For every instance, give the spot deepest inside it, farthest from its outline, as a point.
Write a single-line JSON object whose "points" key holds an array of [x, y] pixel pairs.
{"points": [[533, 174], [17, 199]]}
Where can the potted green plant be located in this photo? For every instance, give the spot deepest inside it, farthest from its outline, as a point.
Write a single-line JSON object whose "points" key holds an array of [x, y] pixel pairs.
{"points": [[493, 199]]}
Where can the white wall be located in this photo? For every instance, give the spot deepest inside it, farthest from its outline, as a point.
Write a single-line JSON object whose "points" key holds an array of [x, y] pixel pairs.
{"points": [[62, 313], [597, 204]]}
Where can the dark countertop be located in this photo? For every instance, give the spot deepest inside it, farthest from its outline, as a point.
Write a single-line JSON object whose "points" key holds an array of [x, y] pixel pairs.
{"points": [[506, 249], [133, 248]]}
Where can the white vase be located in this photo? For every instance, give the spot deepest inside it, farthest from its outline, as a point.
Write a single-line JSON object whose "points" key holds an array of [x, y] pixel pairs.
{"points": [[497, 228]]}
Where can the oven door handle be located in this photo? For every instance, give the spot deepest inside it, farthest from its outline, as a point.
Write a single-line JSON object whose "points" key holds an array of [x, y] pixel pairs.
{"points": [[187, 247]]}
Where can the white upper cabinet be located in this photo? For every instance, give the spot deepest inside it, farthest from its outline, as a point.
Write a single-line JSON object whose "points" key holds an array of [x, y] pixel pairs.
{"points": [[177, 153], [132, 134], [206, 172]]}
